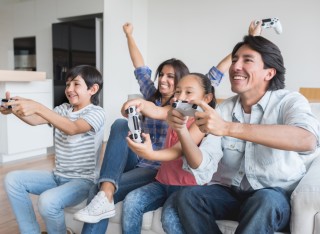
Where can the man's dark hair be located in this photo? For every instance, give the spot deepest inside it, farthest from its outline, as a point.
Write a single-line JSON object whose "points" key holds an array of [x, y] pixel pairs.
{"points": [[90, 75], [271, 57]]}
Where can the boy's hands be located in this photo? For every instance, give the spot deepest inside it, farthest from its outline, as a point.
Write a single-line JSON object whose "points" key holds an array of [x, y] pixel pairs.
{"points": [[3, 109], [24, 107]]}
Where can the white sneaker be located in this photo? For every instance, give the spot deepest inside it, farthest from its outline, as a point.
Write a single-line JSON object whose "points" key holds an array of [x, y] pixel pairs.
{"points": [[98, 209]]}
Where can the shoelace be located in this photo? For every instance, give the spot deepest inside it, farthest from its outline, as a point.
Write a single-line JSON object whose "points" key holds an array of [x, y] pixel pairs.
{"points": [[96, 203]]}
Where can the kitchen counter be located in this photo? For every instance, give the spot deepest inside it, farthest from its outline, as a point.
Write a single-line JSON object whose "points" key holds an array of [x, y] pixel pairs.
{"points": [[18, 76], [19, 140]]}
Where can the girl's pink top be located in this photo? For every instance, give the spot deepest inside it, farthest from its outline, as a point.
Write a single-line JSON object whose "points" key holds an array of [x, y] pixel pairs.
{"points": [[171, 172]]}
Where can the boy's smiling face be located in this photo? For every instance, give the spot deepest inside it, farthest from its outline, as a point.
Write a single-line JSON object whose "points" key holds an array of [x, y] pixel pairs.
{"points": [[78, 93]]}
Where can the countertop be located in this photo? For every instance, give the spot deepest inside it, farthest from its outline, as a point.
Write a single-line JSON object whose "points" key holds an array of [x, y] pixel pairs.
{"points": [[21, 76]]}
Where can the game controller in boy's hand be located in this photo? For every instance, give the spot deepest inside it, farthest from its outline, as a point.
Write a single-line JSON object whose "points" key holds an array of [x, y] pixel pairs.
{"points": [[134, 125], [271, 23], [185, 108], [5, 101]]}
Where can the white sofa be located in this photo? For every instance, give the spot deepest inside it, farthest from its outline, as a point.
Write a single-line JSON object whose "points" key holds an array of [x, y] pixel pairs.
{"points": [[151, 222], [305, 201]]}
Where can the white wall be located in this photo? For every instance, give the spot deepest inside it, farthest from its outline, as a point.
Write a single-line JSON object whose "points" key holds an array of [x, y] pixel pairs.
{"points": [[119, 79], [34, 18], [198, 32], [201, 33]]}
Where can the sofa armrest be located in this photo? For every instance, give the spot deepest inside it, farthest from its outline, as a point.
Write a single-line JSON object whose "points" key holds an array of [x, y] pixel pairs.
{"points": [[305, 202]]}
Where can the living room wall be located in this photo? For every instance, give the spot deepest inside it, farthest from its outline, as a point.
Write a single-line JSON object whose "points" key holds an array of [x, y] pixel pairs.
{"points": [[201, 33], [198, 32], [25, 18]]}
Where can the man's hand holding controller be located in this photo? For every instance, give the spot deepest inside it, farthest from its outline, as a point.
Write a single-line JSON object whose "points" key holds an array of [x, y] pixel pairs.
{"points": [[255, 28], [270, 23]]}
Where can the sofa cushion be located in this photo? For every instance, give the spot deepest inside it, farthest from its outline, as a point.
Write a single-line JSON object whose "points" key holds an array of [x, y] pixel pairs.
{"points": [[150, 224]]}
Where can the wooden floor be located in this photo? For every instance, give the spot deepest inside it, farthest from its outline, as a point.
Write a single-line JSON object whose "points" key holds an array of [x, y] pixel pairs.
{"points": [[8, 223]]}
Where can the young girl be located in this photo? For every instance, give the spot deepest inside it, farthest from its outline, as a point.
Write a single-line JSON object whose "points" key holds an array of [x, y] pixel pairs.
{"points": [[79, 128], [171, 177]]}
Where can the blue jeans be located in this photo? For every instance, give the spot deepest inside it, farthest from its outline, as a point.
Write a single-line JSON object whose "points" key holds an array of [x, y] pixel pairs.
{"points": [[144, 199], [169, 216], [261, 211], [118, 167], [55, 193]]}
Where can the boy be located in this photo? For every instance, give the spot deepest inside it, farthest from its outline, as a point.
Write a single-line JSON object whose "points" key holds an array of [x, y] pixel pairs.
{"points": [[79, 127]]}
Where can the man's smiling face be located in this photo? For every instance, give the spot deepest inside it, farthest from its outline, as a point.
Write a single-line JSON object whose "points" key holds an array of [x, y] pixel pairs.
{"points": [[247, 73]]}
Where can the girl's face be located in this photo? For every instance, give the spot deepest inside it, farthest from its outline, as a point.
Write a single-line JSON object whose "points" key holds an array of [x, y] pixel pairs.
{"points": [[78, 93], [190, 88], [166, 81]]}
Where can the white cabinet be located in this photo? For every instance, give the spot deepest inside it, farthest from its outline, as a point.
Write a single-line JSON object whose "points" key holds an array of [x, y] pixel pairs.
{"points": [[19, 140]]}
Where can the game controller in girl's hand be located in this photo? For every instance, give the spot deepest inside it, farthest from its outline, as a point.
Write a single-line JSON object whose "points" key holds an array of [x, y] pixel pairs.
{"points": [[271, 23], [134, 125], [185, 108]]}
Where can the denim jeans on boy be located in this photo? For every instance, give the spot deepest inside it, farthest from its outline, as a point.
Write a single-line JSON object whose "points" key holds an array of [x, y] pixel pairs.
{"points": [[262, 211], [119, 167], [55, 193], [144, 199]]}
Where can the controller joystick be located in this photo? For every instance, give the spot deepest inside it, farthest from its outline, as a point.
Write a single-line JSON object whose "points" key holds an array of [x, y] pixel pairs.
{"points": [[271, 23], [185, 108], [134, 125]]}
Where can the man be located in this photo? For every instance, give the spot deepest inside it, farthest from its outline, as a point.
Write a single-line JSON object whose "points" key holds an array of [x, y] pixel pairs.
{"points": [[258, 147]]}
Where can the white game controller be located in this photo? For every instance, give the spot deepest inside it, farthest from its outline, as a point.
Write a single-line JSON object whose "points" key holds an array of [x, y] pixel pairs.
{"points": [[185, 108], [134, 125], [271, 23], [6, 101]]}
